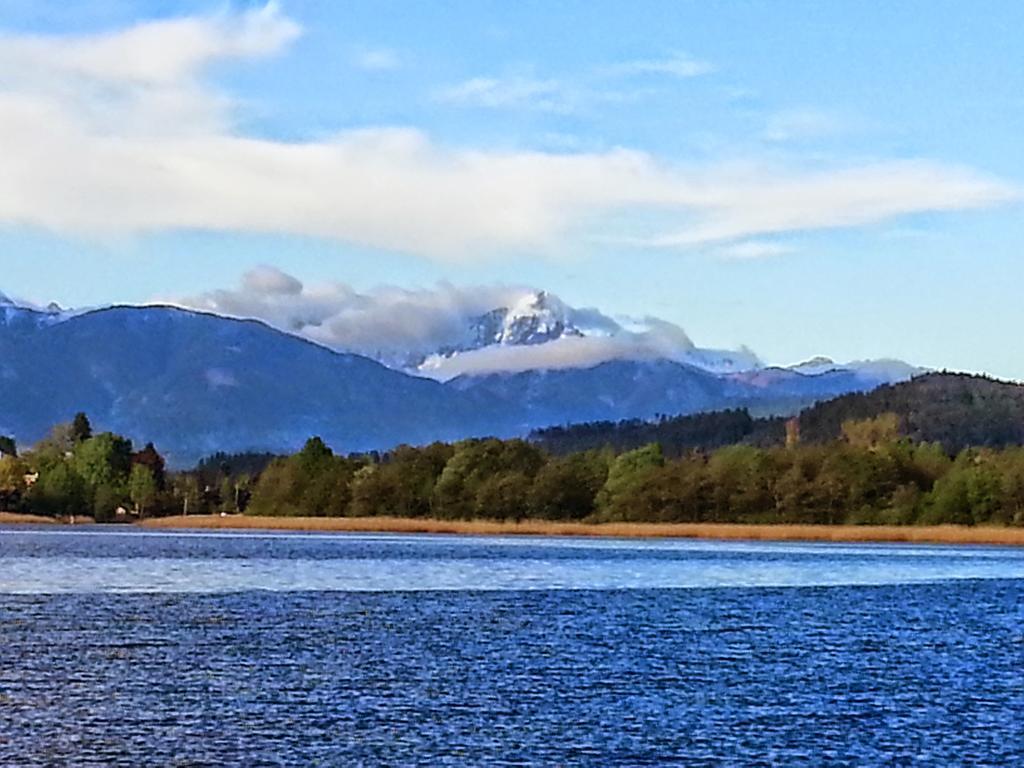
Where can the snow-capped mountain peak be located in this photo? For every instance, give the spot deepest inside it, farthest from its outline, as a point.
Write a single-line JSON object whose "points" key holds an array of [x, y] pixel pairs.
{"points": [[537, 317]]}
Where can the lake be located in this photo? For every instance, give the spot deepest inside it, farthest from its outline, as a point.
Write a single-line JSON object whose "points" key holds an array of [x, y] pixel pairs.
{"points": [[131, 647]]}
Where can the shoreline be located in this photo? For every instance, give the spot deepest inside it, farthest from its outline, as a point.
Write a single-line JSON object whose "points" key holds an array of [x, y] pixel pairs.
{"points": [[939, 534], [16, 518]]}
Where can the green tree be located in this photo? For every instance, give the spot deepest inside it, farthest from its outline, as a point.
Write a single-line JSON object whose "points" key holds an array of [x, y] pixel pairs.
{"points": [[277, 491], [471, 464], [566, 487], [313, 482], [59, 492], [985, 491], [106, 500], [626, 477], [674, 492], [186, 492], [949, 501], [401, 484], [142, 488], [226, 493], [103, 460], [314, 457], [12, 482], [739, 480], [371, 495], [503, 496], [409, 475]]}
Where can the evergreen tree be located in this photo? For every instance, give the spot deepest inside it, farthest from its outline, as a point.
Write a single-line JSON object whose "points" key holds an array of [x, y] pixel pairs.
{"points": [[81, 428]]}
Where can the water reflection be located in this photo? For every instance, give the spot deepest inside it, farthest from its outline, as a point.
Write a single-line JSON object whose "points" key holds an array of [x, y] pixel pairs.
{"points": [[121, 561]]}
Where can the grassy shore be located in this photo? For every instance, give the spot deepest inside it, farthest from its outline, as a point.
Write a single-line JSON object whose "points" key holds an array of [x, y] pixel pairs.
{"points": [[943, 534], [11, 518]]}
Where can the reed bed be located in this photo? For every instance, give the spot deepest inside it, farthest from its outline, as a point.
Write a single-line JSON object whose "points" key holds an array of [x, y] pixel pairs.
{"points": [[16, 518], [942, 534]]}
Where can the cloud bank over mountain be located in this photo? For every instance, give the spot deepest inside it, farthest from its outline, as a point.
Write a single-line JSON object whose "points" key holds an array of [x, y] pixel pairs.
{"points": [[447, 331]]}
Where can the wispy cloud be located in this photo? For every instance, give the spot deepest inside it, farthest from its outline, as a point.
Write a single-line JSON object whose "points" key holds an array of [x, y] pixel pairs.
{"points": [[677, 65], [803, 124], [509, 93], [377, 59], [120, 133], [765, 201], [567, 94], [754, 249]]}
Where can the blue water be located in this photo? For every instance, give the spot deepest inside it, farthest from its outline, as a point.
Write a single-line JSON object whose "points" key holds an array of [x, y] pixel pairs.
{"points": [[133, 648]]}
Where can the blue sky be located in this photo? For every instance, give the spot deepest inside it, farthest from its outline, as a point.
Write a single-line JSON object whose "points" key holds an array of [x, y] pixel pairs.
{"points": [[803, 178]]}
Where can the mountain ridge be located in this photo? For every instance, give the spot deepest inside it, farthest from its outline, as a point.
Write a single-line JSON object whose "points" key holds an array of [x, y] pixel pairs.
{"points": [[195, 382]]}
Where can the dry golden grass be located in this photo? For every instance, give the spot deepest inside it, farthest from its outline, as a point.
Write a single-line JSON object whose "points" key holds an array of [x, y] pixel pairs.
{"points": [[941, 534], [8, 518]]}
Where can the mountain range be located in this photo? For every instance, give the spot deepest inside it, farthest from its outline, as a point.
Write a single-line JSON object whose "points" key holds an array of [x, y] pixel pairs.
{"points": [[195, 382]]}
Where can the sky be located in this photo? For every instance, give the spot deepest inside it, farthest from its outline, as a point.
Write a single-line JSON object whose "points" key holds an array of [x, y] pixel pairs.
{"points": [[802, 178]]}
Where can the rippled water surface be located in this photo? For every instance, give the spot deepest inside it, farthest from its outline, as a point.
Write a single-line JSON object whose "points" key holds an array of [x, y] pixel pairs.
{"points": [[139, 648]]}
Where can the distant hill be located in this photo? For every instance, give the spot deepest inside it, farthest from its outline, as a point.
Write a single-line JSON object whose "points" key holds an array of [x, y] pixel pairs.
{"points": [[196, 384], [630, 389], [616, 389], [955, 410]]}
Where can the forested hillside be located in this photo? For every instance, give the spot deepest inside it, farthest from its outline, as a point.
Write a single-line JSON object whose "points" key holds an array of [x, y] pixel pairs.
{"points": [[954, 410], [676, 435]]}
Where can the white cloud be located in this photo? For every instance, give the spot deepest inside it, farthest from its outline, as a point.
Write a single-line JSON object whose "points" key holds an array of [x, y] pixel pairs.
{"points": [[378, 60], [755, 202], [395, 325], [678, 65], [118, 134], [85, 96], [268, 282], [509, 93], [754, 249], [410, 328], [157, 53], [567, 352]]}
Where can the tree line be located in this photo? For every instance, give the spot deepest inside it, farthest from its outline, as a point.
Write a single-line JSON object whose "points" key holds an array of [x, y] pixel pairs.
{"points": [[869, 474]]}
